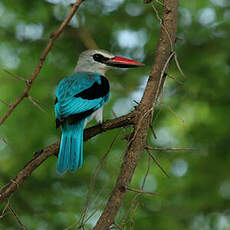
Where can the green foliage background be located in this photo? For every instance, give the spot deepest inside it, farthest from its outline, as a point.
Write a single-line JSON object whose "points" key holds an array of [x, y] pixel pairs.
{"points": [[195, 114]]}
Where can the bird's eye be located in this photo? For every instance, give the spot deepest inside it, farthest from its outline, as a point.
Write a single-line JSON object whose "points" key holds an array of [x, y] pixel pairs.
{"points": [[97, 57], [100, 58]]}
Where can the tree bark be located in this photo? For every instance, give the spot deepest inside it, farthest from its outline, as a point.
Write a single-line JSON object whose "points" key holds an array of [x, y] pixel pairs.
{"points": [[144, 111], [43, 154]]}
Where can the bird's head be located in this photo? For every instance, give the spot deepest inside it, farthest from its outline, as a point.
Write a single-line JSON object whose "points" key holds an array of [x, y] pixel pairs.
{"points": [[99, 61]]}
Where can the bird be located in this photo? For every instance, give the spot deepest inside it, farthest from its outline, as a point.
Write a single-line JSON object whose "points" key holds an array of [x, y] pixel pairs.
{"points": [[79, 99]]}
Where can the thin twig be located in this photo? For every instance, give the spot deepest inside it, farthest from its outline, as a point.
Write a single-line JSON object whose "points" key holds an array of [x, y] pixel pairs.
{"points": [[153, 132], [142, 191], [137, 145], [15, 76], [176, 115], [92, 181], [146, 174], [32, 100], [168, 149], [161, 102], [5, 103], [16, 217], [134, 202], [178, 66], [51, 150], [4, 209], [157, 14], [160, 3], [94, 212], [166, 31], [131, 219], [157, 163], [54, 36], [170, 40], [175, 79], [76, 223], [162, 74]]}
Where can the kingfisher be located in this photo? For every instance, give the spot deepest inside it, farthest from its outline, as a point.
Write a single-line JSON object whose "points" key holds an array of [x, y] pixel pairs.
{"points": [[80, 98]]}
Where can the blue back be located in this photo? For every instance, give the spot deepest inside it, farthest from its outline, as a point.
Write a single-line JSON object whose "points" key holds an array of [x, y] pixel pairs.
{"points": [[77, 97], [68, 104]]}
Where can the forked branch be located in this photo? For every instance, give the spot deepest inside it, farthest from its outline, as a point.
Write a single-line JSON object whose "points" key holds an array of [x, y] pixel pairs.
{"points": [[144, 114], [40, 156], [38, 68]]}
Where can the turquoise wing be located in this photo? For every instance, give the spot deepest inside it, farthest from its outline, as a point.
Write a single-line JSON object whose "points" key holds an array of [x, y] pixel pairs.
{"points": [[80, 94]]}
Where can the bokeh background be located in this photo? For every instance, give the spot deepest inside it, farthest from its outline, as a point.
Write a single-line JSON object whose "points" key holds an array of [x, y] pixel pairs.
{"points": [[193, 114]]}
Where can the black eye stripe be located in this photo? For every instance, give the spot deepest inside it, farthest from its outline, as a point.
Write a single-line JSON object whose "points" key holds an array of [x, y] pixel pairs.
{"points": [[100, 58]]}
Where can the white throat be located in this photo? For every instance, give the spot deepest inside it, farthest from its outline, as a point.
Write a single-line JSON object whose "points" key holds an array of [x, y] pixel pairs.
{"points": [[91, 68]]}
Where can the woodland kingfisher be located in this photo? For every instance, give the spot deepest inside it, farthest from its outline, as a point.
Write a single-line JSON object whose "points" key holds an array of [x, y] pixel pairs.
{"points": [[80, 98]]}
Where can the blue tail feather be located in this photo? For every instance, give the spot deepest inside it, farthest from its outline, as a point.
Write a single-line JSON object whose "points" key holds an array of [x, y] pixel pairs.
{"points": [[71, 147]]}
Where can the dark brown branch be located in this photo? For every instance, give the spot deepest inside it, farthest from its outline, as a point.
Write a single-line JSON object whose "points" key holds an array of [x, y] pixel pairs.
{"points": [[144, 114], [40, 156], [140, 118], [38, 68]]}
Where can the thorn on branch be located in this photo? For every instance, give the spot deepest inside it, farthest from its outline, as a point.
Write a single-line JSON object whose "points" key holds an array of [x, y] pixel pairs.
{"points": [[157, 14], [5, 103], [168, 149], [159, 2], [176, 115], [153, 132], [41, 60], [15, 76], [4, 209], [35, 103], [178, 66], [175, 79], [142, 191], [16, 217], [157, 163]]}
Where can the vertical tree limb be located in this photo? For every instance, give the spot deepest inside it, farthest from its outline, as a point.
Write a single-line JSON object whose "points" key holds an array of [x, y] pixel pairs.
{"points": [[144, 115]]}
